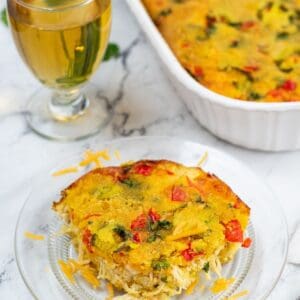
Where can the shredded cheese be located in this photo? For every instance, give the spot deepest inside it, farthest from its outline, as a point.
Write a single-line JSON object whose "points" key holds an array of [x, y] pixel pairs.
{"points": [[94, 158], [238, 295], [32, 236], [216, 266], [89, 276], [90, 157], [71, 267], [117, 154], [191, 288], [67, 269], [202, 159], [126, 163], [65, 171], [104, 154], [110, 290], [208, 276], [221, 285]]}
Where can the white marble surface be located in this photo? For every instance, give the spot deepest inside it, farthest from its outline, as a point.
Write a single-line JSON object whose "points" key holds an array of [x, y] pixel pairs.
{"points": [[143, 103]]}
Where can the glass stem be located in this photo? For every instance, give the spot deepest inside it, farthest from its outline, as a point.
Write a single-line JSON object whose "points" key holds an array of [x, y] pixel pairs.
{"points": [[66, 105]]}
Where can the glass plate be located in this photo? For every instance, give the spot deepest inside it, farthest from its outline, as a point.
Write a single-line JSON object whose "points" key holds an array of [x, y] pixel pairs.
{"points": [[256, 269]]}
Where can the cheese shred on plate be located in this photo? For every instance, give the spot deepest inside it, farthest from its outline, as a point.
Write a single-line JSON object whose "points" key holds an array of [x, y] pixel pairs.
{"points": [[110, 290], [221, 285], [238, 295], [203, 159], [117, 154], [65, 171], [150, 228], [71, 267], [90, 158], [33, 236], [94, 157]]}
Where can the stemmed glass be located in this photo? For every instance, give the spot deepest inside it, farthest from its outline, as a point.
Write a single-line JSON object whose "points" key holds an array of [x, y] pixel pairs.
{"points": [[62, 42]]}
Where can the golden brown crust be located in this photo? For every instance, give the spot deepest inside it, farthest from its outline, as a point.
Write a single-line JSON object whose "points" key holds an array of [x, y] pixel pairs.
{"points": [[208, 183]]}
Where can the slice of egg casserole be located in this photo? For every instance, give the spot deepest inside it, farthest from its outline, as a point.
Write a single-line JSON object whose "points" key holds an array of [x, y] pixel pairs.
{"points": [[151, 227]]}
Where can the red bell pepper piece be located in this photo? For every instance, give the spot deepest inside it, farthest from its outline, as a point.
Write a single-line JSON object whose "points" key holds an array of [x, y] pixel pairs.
{"points": [[233, 231], [247, 243], [91, 216], [189, 254], [289, 85], [87, 240], [198, 71], [247, 25], [143, 169], [178, 194], [136, 237], [250, 68], [153, 215], [139, 223]]}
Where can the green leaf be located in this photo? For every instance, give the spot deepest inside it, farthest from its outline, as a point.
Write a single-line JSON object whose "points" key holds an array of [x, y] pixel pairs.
{"points": [[160, 264], [234, 44], [4, 17], [130, 183], [254, 96], [206, 267], [112, 51], [282, 35], [122, 232], [165, 12], [165, 224], [93, 241], [151, 238], [235, 24], [199, 200]]}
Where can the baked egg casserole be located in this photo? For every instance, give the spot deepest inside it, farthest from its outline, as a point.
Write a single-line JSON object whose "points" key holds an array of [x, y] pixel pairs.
{"points": [[243, 49], [150, 228]]}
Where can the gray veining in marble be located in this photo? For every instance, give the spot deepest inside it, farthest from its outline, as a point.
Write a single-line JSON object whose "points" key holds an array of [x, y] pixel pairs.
{"points": [[141, 101]]}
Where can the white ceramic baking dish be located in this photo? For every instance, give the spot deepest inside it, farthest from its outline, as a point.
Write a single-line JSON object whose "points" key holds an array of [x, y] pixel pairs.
{"points": [[263, 126]]}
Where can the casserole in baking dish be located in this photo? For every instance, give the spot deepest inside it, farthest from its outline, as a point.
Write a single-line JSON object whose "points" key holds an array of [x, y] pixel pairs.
{"points": [[247, 50], [251, 124]]}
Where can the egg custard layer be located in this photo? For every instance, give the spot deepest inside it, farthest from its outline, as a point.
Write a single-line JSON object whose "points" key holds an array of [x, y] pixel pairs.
{"points": [[151, 227], [243, 49]]}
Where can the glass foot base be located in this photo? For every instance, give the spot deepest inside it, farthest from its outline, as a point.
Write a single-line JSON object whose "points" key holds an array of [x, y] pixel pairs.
{"points": [[91, 121]]}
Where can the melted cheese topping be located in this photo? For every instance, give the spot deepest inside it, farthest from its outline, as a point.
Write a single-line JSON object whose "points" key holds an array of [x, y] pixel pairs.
{"points": [[247, 50]]}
